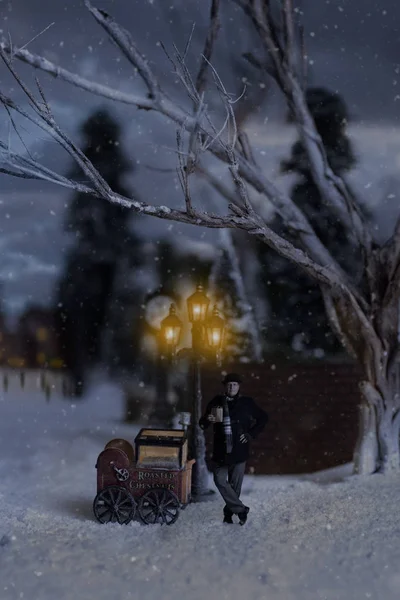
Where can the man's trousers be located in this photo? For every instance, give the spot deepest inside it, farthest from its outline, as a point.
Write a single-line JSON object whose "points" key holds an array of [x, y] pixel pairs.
{"points": [[229, 479]]}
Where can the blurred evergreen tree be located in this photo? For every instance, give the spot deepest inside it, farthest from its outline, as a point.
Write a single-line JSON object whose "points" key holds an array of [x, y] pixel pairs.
{"points": [[102, 239], [3, 325], [226, 281], [297, 316], [176, 265]]}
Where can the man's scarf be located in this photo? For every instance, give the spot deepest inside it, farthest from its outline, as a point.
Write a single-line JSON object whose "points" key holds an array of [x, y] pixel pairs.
{"points": [[227, 427]]}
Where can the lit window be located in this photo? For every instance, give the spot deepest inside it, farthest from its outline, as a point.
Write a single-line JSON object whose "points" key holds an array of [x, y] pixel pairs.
{"points": [[42, 334], [41, 358], [56, 363], [16, 361]]}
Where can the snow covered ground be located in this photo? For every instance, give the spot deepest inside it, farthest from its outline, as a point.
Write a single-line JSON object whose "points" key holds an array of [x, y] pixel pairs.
{"points": [[313, 538]]}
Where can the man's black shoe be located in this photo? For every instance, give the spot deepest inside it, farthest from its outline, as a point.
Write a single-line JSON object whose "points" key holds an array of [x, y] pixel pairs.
{"points": [[228, 519], [227, 515], [243, 515]]}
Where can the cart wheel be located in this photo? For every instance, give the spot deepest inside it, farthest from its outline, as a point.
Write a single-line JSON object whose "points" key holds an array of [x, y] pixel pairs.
{"points": [[114, 505], [159, 505]]}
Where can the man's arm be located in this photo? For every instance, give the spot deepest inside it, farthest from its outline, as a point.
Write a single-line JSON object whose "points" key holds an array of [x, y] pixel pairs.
{"points": [[260, 417], [204, 421]]}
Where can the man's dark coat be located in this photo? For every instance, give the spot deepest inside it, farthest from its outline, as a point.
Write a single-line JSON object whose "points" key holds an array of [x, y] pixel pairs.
{"points": [[246, 417]]}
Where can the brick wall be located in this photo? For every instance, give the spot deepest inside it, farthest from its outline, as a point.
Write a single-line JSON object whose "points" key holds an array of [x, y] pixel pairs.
{"points": [[313, 414]]}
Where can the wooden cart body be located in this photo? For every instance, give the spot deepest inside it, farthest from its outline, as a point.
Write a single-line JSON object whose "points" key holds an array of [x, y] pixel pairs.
{"points": [[121, 474], [113, 463]]}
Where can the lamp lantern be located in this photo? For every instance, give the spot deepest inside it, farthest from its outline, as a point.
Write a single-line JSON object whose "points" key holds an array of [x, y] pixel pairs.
{"points": [[215, 327], [171, 328], [197, 305]]}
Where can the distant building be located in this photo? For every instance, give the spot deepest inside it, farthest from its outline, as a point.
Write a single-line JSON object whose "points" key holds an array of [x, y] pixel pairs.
{"points": [[29, 356], [38, 339], [33, 344]]}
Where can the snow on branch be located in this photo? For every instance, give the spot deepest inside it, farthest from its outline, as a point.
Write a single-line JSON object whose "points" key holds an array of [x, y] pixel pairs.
{"points": [[252, 224], [317, 261], [281, 47], [252, 174], [39, 62], [125, 43]]}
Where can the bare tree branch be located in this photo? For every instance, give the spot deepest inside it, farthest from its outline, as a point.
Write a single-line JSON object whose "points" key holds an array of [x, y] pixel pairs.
{"points": [[14, 126], [332, 189], [253, 225], [48, 124], [253, 175], [189, 42], [35, 37], [28, 168], [246, 147], [304, 59], [212, 34], [251, 222], [334, 321], [125, 43], [45, 103], [290, 43], [355, 331], [93, 87], [184, 170], [284, 206], [14, 173], [203, 219], [195, 145]]}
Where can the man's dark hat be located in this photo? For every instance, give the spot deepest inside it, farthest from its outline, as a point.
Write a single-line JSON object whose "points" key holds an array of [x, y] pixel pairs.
{"points": [[232, 377]]}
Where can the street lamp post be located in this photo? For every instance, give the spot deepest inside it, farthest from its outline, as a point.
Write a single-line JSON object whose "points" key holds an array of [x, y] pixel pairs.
{"points": [[206, 333], [197, 306]]}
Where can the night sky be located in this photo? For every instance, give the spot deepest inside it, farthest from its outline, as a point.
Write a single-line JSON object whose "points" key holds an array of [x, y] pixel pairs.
{"points": [[354, 44], [353, 47]]}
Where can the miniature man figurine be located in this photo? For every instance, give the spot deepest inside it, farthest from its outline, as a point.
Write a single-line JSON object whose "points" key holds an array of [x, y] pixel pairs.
{"points": [[242, 420]]}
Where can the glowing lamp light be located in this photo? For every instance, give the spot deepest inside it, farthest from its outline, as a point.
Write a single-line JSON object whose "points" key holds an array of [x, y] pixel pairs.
{"points": [[215, 330], [169, 335], [215, 338], [197, 305], [171, 328]]}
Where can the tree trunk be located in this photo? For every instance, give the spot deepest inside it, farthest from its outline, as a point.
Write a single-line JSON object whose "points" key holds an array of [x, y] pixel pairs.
{"points": [[377, 448], [366, 451], [373, 341]]}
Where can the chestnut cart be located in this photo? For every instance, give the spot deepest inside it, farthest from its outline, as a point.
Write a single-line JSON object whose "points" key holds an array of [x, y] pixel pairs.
{"points": [[153, 480]]}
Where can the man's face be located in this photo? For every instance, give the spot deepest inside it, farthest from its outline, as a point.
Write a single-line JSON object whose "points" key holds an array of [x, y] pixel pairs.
{"points": [[232, 388]]}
